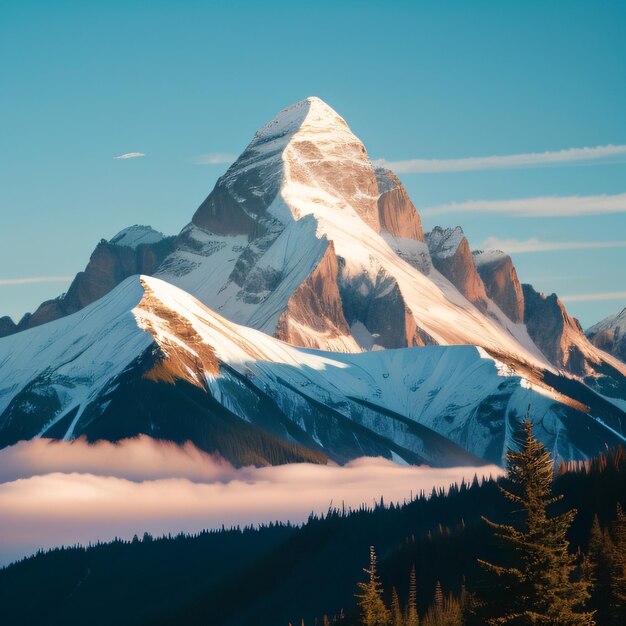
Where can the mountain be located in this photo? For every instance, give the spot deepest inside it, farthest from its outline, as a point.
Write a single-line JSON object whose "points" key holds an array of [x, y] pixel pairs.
{"points": [[610, 335], [134, 250], [150, 358], [433, 353], [305, 240]]}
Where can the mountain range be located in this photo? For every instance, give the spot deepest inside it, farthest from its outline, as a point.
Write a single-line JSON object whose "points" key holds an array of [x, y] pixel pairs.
{"points": [[303, 314]]}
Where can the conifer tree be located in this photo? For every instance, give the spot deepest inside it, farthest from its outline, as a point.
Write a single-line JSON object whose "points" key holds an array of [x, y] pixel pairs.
{"points": [[411, 609], [600, 565], [373, 609], [396, 611], [540, 589], [445, 611], [438, 602]]}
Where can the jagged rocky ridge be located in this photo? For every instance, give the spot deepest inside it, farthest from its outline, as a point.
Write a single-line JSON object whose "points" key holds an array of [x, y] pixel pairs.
{"points": [[134, 250], [149, 358]]}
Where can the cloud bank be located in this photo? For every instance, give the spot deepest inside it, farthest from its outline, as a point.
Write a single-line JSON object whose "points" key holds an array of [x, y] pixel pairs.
{"points": [[32, 280], [214, 158], [54, 493], [500, 162], [130, 155], [541, 206], [534, 244]]}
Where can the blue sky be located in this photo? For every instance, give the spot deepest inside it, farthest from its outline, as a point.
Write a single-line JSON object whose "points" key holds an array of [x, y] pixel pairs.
{"points": [[85, 82]]}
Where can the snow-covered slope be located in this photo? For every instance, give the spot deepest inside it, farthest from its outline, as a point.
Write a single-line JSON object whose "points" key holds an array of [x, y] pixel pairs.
{"points": [[610, 335], [150, 358]]}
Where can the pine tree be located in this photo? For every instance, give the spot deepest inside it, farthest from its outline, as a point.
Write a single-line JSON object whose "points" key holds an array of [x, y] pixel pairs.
{"points": [[600, 565], [411, 609], [373, 610], [438, 603], [541, 588], [396, 611], [445, 611]]}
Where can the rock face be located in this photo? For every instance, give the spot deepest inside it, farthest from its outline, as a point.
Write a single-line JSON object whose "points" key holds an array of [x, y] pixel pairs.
{"points": [[451, 255], [315, 304], [135, 250], [396, 212], [7, 326], [501, 282], [558, 335], [378, 309], [610, 335]]}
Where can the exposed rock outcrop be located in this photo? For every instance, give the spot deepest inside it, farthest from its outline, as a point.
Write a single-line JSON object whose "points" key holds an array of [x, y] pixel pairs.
{"points": [[555, 333], [109, 265], [315, 310], [396, 212], [381, 311], [7, 326], [501, 283], [610, 335], [451, 255]]}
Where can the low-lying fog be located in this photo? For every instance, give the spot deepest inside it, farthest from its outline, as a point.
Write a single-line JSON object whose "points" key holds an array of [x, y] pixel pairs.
{"points": [[58, 492]]}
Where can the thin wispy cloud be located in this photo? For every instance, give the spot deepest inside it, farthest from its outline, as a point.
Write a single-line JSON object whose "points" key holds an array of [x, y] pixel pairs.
{"points": [[214, 158], [130, 155], [32, 280], [501, 162], [595, 297], [539, 206], [534, 244]]}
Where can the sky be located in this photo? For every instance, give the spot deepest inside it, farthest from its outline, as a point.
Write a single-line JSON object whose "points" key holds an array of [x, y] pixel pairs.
{"points": [[485, 110]]}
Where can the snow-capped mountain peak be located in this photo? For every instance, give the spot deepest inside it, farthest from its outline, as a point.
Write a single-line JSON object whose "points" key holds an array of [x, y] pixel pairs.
{"points": [[310, 114], [136, 235], [303, 239]]}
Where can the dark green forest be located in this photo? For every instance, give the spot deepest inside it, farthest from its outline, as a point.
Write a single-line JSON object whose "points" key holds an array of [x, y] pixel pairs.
{"points": [[281, 574]]}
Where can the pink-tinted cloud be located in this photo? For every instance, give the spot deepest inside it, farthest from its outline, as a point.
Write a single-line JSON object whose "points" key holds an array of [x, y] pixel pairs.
{"points": [[64, 493]]}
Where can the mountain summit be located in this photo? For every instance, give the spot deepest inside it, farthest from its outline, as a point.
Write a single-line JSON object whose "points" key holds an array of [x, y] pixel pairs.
{"points": [[304, 239]]}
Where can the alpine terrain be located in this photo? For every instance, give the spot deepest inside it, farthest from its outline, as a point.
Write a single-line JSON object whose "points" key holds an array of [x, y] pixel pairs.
{"points": [[303, 314], [610, 335]]}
